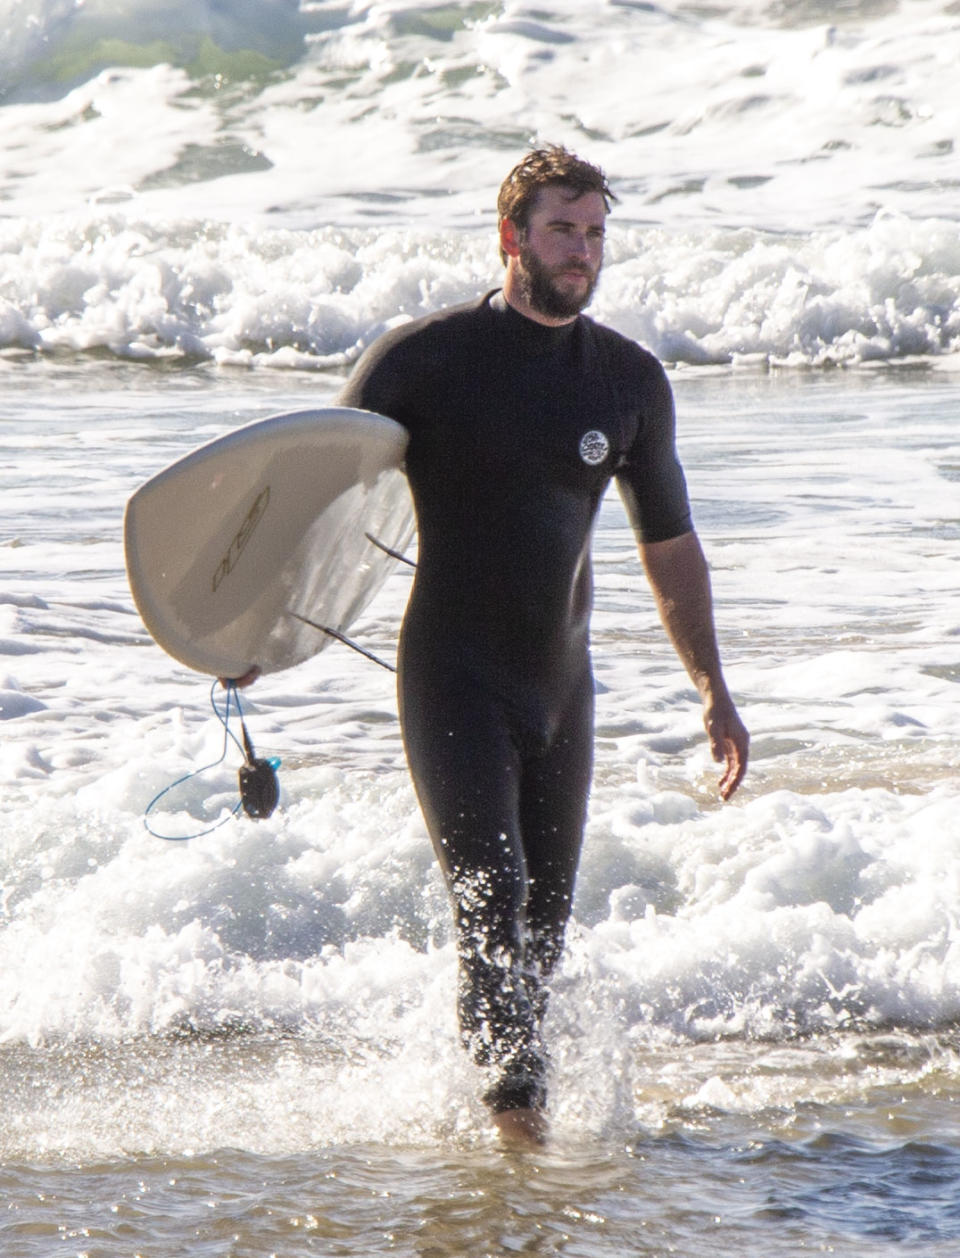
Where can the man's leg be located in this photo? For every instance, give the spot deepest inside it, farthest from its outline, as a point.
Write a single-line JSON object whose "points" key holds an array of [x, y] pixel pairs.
{"points": [[553, 807], [553, 813], [467, 772]]}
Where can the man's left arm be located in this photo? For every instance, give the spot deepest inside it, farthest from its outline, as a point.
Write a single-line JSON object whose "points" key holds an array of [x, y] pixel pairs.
{"points": [[680, 580]]}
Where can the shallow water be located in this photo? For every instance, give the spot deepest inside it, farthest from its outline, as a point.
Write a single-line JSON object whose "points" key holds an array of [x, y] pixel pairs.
{"points": [[869, 1172]]}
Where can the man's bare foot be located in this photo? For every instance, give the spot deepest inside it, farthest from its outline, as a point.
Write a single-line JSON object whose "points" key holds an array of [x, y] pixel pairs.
{"points": [[521, 1127]]}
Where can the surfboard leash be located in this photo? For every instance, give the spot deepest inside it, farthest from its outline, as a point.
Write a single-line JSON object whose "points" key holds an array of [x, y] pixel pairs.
{"points": [[257, 777]]}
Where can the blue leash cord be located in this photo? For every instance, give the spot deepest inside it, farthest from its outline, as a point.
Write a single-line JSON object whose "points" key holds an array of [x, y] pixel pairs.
{"points": [[258, 780]]}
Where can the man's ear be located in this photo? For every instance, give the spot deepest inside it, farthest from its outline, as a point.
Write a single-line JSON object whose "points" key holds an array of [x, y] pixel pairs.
{"points": [[509, 238]]}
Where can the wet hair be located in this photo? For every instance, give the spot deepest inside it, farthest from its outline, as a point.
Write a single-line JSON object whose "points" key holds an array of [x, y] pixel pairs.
{"points": [[542, 168]]}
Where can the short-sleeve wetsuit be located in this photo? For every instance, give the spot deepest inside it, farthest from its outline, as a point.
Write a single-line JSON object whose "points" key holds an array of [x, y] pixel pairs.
{"points": [[516, 430]]}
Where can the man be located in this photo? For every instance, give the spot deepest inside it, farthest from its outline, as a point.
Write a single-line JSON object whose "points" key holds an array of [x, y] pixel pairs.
{"points": [[520, 410]]}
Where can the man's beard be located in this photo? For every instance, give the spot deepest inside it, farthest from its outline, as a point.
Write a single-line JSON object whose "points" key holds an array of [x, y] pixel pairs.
{"points": [[538, 288]]}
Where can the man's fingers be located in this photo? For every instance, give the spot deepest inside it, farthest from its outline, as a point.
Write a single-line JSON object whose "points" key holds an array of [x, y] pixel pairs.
{"points": [[730, 746], [248, 678], [733, 776]]}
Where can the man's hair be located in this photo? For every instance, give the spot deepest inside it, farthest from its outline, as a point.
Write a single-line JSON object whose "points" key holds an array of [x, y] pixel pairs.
{"points": [[542, 168]]}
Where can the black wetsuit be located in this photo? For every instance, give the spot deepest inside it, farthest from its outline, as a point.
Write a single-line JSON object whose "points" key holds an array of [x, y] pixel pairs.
{"points": [[515, 432]]}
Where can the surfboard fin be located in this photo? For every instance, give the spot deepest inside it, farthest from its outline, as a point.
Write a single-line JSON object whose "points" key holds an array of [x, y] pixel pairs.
{"points": [[342, 637], [388, 550]]}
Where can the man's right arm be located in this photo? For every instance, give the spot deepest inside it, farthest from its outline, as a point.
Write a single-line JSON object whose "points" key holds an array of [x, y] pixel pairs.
{"points": [[392, 376], [373, 383]]}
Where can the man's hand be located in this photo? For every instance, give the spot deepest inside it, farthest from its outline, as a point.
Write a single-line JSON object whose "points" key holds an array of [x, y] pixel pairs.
{"points": [[729, 741], [248, 678]]}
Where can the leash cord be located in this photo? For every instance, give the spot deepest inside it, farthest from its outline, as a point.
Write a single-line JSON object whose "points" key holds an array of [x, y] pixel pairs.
{"points": [[251, 764]]}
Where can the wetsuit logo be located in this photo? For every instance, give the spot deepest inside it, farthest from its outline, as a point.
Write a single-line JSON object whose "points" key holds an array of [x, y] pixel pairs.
{"points": [[594, 447]]}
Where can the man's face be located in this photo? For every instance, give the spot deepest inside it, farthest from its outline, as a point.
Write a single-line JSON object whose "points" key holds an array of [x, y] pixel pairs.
{"points": [[561, 251]]}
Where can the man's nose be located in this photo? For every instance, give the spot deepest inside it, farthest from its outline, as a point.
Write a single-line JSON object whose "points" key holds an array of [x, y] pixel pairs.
{"points": [[580, 245]]}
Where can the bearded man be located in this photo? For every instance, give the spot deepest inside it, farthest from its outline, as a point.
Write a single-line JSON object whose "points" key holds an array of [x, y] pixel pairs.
{"points": [[520, 411]]}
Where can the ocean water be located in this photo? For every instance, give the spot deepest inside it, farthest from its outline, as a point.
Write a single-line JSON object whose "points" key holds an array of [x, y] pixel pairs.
{"points": [[244, 1044]]}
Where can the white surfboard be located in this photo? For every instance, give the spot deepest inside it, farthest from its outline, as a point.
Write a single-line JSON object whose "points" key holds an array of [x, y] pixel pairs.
{"points": [[231, 544]]}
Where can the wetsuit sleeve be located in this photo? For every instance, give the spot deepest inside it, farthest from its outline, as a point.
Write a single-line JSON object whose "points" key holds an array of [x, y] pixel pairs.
{"points": [[392, 377], [379, 378], [650, 479]]}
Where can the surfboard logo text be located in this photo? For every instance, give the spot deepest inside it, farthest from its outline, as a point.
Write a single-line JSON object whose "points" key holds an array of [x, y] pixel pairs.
{"points": [[243, 535]]}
